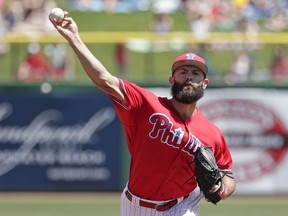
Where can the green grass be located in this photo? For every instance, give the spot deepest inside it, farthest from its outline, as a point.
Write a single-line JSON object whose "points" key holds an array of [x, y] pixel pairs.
{"points": [[248, 206], [108, 204], [70, 204]]}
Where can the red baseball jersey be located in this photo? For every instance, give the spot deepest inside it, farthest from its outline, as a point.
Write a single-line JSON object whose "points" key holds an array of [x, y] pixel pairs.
{"points": [[162, 144]]}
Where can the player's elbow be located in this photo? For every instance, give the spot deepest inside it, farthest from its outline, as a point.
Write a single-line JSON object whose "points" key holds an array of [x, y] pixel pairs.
{"points": [[111, 86]]}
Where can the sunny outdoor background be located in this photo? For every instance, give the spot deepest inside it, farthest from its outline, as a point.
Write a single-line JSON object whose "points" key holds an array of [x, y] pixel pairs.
{"points": [[149, 36], [49, 166]]}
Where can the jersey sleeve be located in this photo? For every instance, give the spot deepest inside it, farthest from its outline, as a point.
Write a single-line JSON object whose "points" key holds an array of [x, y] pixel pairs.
{"points": [[135, 101], [223, 155]]}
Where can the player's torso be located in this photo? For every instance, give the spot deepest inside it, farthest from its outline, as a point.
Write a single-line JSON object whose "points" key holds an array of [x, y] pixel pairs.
{"points": [[161, 144], [162, 148]]}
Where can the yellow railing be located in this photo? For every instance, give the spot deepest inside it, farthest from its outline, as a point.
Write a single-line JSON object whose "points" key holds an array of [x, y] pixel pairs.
{"points": [[120, 37]]}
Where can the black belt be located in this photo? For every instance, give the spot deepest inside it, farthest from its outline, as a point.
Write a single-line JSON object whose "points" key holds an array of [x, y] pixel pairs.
{"points": [[159, 207]]}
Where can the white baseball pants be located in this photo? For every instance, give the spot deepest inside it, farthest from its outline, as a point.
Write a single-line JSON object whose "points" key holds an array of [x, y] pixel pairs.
{"points": [[187, 207]]}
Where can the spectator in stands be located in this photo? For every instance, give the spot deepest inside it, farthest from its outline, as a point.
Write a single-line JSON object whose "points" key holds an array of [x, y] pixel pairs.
{"points": [[60, 62], [240, 68], [161, 24], [34, 68], [110, 5], [121, 59], [29, 15], [4, 47], [200, 26], [279, 66]]}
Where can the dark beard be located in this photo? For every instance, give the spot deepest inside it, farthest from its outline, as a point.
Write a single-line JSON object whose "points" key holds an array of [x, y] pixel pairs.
{"points": [[187, 96]]}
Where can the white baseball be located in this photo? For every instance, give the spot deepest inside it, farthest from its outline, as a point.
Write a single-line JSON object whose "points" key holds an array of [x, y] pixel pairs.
{"points": [[57, 15]]}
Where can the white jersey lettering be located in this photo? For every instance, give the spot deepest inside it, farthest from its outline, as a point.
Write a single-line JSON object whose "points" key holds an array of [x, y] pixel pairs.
{"points": [[163, 129]]}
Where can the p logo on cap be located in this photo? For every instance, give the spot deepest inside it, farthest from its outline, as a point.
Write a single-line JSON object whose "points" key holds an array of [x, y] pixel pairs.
{"points": [[190, 56]]}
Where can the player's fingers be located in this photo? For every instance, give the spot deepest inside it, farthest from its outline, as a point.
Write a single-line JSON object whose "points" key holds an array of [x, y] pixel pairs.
{"points": [[67, 21], [57, 24], [65, 14], [53, 22], [215, 188]]}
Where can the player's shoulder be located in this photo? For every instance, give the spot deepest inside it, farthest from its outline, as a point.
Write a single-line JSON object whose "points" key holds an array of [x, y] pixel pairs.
{"points": [[135, 92], [131, 85]]}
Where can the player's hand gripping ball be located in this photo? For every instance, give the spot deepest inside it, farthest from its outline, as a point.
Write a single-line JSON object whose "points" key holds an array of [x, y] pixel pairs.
{"points": [[57, 15]]}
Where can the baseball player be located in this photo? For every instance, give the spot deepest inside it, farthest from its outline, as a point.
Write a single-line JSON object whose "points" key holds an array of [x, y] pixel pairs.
{"points": [[162, 134]]}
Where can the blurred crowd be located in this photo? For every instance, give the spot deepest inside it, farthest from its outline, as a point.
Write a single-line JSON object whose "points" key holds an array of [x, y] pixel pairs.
{"points": [[203, 17], [41, 62], [206, 15], [244, 16], [237, 15], [50, 62], [25, 15]]}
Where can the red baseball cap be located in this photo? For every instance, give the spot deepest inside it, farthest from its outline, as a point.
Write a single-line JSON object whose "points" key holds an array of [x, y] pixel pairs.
{"points": [[190, 59]]}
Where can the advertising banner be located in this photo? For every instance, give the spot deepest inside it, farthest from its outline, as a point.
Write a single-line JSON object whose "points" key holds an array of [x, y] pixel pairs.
{"points": [[72, 141], [59, 142], [255, 124]]}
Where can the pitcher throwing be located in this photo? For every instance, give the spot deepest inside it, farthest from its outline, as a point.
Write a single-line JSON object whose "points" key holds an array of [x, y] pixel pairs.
{"points": [[163, 134]]}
